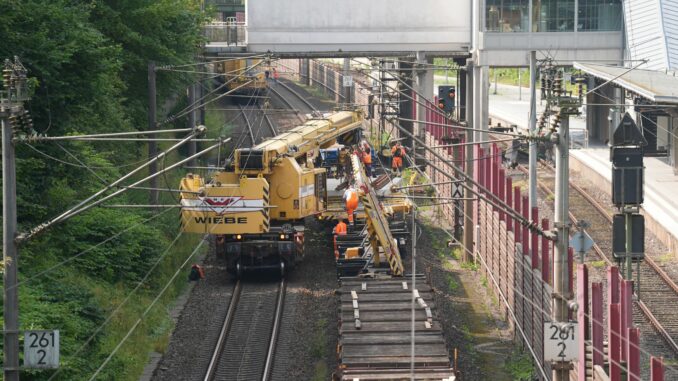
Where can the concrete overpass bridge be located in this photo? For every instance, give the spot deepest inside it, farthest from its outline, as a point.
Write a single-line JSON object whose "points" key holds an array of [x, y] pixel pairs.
{"points": [[493, 33]]}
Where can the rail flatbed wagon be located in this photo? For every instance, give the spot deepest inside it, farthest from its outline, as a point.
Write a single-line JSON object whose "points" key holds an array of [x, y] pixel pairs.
{"points": [[375, 327]]}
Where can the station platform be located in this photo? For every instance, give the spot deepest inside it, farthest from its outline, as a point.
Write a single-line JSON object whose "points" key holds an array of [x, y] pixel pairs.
{"points": [[661, 204], [660, 207]]}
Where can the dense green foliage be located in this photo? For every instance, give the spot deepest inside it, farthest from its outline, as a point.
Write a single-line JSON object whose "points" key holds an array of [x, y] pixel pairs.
{"points": [[88, 62]]}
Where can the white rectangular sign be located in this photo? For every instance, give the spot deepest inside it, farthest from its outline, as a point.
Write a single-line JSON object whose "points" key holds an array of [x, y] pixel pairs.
{"points": [[348, 80], [41, 349], [560, 341], [457, 190]]}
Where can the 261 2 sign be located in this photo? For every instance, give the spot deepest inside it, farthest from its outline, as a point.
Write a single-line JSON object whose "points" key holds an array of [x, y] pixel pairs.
{"points": [[560, 341], [41, 349]]}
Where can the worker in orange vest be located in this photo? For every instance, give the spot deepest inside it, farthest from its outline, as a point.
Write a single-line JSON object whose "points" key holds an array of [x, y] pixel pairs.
{"points": [[351, 202], [367, 161], [397, 153], [340, 229]]}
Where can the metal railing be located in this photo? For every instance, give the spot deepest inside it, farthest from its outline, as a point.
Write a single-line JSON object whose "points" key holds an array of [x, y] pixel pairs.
{"points": [[230, 33], [225, 3]]}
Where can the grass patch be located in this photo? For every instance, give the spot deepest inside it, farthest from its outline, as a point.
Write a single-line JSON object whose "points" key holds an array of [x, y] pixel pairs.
{"points": [[452, 283], [318, 350], [550, 197], [519, 366], [320, 372], [484, 282], [668, 257], [597, 264], [470, 266]]}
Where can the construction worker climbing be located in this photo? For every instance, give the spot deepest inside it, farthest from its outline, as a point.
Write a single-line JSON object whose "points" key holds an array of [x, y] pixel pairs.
{"points": [[397, 153], [350, 202]]}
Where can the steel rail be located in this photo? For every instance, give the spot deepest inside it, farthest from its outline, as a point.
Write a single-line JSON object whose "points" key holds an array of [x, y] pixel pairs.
{"points": [[225, 328], [288, 103], [271, 126], [270, 355], [304, 100], [249, 125]]}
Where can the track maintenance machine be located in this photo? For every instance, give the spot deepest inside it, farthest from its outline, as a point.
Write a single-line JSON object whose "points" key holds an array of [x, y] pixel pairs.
{"points": [[257, 205]]}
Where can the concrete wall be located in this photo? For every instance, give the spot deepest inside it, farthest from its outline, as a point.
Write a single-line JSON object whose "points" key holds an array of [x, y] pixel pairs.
{"points": [[358, 25], [511, 49]]}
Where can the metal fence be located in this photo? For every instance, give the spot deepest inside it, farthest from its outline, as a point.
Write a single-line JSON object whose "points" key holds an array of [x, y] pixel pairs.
{"points": [[517, 264], [228, 33]]}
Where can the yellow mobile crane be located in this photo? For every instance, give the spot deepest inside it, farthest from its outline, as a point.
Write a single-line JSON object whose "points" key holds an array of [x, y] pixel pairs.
{"points": [[257, 205]]}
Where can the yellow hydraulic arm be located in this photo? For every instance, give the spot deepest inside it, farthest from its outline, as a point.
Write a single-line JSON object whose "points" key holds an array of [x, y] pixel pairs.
{"points": [[378, 230]]}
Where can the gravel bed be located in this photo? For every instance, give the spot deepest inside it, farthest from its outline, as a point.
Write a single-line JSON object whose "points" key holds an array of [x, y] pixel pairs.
{"points": [[197, 328], [467, 313], [308, 336]]}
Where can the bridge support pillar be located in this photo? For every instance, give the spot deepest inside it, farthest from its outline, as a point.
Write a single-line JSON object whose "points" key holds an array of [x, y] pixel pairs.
{"points": [[481, 111], [424, 86]]}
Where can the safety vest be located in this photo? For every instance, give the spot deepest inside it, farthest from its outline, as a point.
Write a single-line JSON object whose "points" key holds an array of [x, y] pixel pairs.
{"points": [[367, 158], [351, 199], [340, 228]]}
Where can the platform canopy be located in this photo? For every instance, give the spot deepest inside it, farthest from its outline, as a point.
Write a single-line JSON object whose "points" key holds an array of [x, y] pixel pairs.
{"points": [[657, 86]]}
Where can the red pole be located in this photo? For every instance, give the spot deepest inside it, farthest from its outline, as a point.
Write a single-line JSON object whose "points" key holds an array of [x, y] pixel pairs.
{"points": [[480, 167], [656, 368], [613, 284], [501, 187], [509, 201], [613, 341], [582, 317], [495, 180], [597, 323], [526, 233], [517, 234], [633, 364], [488, 170], [545, 254], [534, 246], [626, 316]]}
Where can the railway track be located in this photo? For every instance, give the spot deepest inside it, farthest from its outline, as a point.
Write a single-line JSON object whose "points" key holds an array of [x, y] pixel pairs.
{"points": [[246, 344], [292, 99], [658, 296]]}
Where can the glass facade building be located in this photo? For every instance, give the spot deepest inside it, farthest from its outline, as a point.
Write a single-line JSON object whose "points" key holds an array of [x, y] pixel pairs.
{"points": [[510, 16], [599, 15]]}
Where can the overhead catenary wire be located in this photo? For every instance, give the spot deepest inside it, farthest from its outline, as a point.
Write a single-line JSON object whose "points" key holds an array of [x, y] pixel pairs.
{"points": [[516, 135], [82, 207], [103, 135], [48, 156], [496, 201], [78, 255], [202, 63], [64, 215], [191, 107]]}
